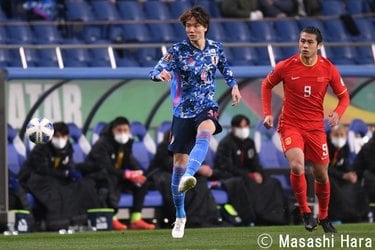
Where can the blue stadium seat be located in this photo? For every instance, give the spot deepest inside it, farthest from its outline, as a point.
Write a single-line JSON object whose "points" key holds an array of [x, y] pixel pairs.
{"points": [[162, 32], [180, 30], [130, 10], [5, 58], [217, 32], [237, 31], [105, 10], [332, 7], [77, 57], [245, 56], [136, 33], [20, 34], [97, 129], [366, 29], [287, 30], [263, 31], [176, 8], [157, 10], [335, 31], [289, 51], [3, 35], [78, 10], [148, 57], [355, 7], [305, 22], [81, 145], [263, 57], [82, 11], [32, 57], [46, 33], [144, 147], [2, 15], [126, 57], [100, 56], [278, 53], [341, 54], [364, 55], [212, 7], [47, 58]]}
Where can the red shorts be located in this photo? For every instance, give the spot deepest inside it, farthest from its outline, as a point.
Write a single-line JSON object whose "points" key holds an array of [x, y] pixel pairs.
{"points": [[313, 143]]}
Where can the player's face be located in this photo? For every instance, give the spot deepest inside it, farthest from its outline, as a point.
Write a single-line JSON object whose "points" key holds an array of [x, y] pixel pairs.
{"points": [[194, 30], [308, 46]]}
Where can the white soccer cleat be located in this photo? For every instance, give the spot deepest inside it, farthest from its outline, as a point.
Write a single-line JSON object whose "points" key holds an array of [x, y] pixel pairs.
{"points": [[179, 228], [186, 183]]}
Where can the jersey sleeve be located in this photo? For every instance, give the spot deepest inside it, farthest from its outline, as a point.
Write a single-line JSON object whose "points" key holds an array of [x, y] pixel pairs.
{"points": [[224, 68], [165, 63], [340, 90], [272, 79]]}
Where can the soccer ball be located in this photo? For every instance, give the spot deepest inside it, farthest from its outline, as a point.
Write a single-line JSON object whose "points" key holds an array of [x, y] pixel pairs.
{"points": [[39, 130]]}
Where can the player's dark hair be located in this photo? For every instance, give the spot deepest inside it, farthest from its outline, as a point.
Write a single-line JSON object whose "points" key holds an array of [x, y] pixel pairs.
{"points": [[236, 120], [119, 121], [315, 31], [199, 13], [61, 127]]}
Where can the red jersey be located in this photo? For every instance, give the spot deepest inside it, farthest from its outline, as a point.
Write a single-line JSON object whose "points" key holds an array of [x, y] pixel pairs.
{"points": [[304, 89]]}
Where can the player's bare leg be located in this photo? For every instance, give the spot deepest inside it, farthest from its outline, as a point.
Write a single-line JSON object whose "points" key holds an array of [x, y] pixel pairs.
{"points": [[296, 160]]}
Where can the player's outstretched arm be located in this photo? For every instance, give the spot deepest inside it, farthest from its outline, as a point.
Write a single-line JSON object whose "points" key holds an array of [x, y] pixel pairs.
{"points": [[236, 95]]}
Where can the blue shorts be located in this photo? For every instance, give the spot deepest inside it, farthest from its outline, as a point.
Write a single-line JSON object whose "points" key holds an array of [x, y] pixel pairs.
{"points": [[184, 130]]}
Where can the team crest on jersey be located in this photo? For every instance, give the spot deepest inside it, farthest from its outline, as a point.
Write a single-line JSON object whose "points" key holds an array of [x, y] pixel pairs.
{"points": [[168, 57], [288, 141]]}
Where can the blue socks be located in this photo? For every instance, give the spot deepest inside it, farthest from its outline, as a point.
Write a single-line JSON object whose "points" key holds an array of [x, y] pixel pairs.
{"points": [[178, 198], [199, 152]]}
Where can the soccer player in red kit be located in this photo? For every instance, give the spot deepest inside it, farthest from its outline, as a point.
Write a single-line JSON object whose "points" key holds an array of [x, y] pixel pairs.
{"points": [[305, 78]]}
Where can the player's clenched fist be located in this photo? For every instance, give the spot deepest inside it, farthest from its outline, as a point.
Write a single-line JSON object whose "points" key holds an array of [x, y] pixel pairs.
{"points": [[165, 75], [268, 121]]}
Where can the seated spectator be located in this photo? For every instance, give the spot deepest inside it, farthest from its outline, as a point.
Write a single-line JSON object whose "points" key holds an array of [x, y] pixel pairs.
{"points": [[256, 197], [278, 8], [199, 203], [50, 175], [364, 165], [241, 9], [116, 171], [348, 199]]}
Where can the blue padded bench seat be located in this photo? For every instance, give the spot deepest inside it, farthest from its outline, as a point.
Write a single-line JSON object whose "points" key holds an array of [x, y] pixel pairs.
{"points": [[153, 199], [221, 196]]}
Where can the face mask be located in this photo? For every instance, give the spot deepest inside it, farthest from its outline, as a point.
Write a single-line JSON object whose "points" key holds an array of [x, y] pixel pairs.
{"points": [[242, 133], [59, 143], [338, 142], [122, 138]]}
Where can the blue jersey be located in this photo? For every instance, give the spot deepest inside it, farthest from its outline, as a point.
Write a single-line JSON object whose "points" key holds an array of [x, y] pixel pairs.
{"points": [[193, 71]]}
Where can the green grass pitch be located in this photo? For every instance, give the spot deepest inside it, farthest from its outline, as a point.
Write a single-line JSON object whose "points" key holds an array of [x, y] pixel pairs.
{"points": [[205, 238]]}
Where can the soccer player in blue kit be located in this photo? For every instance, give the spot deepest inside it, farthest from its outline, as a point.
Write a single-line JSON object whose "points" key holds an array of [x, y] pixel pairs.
{"points": [[190, 66]]}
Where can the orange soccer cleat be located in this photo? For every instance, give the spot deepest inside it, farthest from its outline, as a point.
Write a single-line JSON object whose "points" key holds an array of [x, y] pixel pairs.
{"points": [[117, 225], [141, 224]]}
